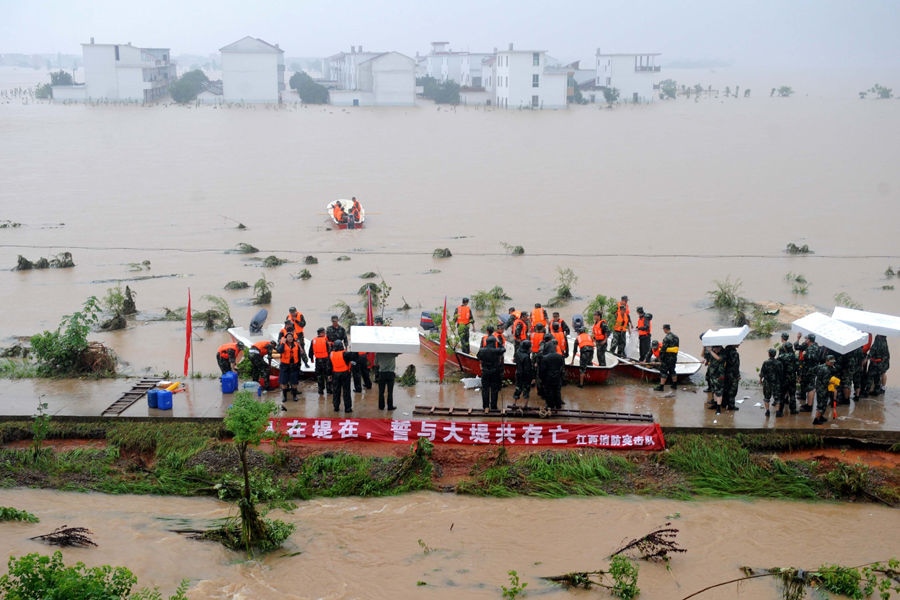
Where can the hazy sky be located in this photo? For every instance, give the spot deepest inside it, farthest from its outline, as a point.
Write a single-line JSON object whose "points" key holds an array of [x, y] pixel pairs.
{"points": [[771, 33]]}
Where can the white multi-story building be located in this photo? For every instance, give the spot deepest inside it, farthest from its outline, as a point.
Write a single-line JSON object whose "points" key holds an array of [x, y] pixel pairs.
{"points": [[252, 71], [524, 79], [444, 64], [121, 72], [371, 78], [634, 75]]}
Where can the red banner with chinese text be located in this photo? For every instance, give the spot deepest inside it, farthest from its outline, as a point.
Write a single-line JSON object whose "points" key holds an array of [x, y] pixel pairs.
{"points": [[614, 437]]}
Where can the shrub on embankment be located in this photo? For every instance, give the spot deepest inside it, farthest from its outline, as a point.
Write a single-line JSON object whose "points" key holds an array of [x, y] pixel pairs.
{"points": [[195, 459]]}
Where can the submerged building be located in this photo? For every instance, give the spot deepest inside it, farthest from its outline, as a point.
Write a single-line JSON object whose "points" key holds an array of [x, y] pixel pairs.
{"points": [[252, 71], [527, 79], [634, 75], [360, 78]]}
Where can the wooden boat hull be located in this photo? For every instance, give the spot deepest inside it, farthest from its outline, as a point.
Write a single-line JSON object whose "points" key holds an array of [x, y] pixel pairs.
{"points": [[471, 365], [683, 371]]}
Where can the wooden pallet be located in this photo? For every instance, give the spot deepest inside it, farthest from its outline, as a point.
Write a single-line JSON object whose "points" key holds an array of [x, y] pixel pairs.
{"points": [[529, 412], [131, 396]]}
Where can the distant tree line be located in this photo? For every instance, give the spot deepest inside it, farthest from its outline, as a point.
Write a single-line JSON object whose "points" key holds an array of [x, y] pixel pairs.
{"points": [[187, 87]]}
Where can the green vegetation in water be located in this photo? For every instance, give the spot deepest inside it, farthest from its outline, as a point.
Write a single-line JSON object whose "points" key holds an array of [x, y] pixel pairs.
{"points": [[187, 87], [487, 301], [408, 379], [565, 281], [799, 284], [844, 299], [879, 92], [621, 579], [607, 304], [216, 317], [237, 285], [514, 250], [310, 260], [368, 275], [345, 314], [785, 91], [887, 287], [304, 274], [7, 224], [273, 261], [245, 248], [889, 273], [67, 352], [36, 576], [263, 290], [516, 587], [793, 248], [342, 257], [63, 260], [727, 295], [8, 513], [441, 253]]}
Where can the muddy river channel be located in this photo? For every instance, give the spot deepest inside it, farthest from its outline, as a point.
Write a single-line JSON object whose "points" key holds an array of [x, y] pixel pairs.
{"points": [[370, 548]]}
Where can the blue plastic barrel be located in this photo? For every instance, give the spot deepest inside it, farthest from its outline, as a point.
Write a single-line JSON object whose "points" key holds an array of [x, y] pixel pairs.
{"points": [[164, 400], [229, 382], [152, 397]]}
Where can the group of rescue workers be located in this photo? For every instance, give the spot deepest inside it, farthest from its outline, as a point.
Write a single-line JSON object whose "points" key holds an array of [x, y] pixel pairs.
{"points": [[350, 215], [541, 345], [335, 366], [804, 371]]}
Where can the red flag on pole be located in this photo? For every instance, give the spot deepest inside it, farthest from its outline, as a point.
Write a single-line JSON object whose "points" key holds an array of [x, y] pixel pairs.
{"points": [[442, 353], [187, 348]]}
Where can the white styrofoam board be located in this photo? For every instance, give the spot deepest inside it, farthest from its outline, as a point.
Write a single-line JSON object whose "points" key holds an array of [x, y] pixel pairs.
{"points": [[831, 333], [870, 322], [398, 340], [729, 336]]}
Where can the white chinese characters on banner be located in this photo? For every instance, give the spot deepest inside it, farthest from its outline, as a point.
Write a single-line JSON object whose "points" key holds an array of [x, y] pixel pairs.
{"points": [[642, 437]]}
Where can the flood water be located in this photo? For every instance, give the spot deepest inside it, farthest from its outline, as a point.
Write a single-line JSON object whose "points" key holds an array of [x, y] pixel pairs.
{"points": [[368, 548], [651, 201]]}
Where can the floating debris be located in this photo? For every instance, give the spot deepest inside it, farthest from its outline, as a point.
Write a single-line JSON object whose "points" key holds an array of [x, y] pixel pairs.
{"points": [[67, 536], [245, 248], [656, 545], [343, 257], [237, 285], [442, 253]]}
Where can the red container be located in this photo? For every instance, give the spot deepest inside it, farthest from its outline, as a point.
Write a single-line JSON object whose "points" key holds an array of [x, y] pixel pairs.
{"points": [[273, 382]]}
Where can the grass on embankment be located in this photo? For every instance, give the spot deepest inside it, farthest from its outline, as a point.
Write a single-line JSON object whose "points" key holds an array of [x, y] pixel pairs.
{"points": [[192, 459]]}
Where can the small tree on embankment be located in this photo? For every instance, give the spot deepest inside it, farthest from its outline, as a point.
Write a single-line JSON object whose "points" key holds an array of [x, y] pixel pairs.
{"points": [[246, 419], [67, 351]]}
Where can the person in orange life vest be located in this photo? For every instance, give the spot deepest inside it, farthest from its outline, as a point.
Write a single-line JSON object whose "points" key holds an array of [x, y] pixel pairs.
{"points": [[511, 317], [519, 330], [644, 331], [496, 334], [289, 368], [538, 315], [563, 326], [600, 333], [337, 211], [319, 349], [562, 344], [584, 346], [623, 324], [299, 322], [260, 357], [340, 368], [227, 356], [355, 211], [654, 352], [463, 318], [288, 326]]}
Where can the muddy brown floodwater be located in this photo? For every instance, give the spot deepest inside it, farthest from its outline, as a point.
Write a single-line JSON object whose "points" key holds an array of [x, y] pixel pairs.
{"points": [[368, 548]]}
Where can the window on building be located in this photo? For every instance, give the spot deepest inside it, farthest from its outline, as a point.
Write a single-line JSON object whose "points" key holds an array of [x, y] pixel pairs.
{"points": [[534, 101], [536, 59], [117, 53], [535, 80], [608, 81], [506, 81]]}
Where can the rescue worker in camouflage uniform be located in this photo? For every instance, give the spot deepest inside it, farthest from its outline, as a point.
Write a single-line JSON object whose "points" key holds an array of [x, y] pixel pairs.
{"points": [[809, 355], [716, 370], [822, 377], [848, 369], [732, 377], [788, 385], [879, 363], [770, 375], [668, 357]]}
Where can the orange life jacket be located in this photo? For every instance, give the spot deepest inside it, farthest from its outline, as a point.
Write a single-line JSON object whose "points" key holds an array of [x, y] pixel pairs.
{"points": [[560, 342], [868, 345], [338, 364], [262, 346], [537, 316], [320, 346], [523, 329], [598, 331], [496, 335], [584, 340], [463, 314], [355, 210], [290, 355], [656, 352], [224, 348], [622, 315], [536, 339], [517, 314], [644, 321], [283, 333], [296, 322]]}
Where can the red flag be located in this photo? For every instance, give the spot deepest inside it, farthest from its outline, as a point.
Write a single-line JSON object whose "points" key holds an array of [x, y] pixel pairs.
{"points": [[442, 353], [187, 348]]}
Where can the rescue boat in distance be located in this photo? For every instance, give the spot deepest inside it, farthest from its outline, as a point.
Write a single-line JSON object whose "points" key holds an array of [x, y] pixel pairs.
{"points": [[348, 222]]}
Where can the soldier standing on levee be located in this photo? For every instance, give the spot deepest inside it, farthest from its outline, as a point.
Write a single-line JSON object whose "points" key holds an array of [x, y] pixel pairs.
{"points": [[732, 377], [822, 377], [668, 357], [788, 388], [716, 370], [770, 375], [809, 355]]}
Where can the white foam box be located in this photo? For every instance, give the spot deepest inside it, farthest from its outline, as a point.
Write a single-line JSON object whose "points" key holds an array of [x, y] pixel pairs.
{"points": [[397, 340], [831, 333], [870, 322], [729, 336]]}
